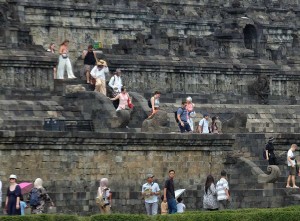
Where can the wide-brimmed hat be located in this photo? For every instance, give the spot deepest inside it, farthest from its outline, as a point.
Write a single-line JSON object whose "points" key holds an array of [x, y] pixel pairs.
{"points": [[12, 176], [101, 62]]}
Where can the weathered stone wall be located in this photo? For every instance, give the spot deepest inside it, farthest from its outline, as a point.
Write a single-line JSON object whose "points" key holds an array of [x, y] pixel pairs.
{"points": [[72, 164], [211, 47]]}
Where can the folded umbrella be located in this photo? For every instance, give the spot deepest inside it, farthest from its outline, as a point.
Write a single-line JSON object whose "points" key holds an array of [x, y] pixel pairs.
{"points": [[25, 187]]}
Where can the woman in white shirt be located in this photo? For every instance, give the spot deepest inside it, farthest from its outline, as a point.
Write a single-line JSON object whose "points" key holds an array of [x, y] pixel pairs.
{"points": [[98, 72]]}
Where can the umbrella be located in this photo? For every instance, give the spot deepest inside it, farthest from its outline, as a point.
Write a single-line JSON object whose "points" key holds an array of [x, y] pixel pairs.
{"points": [[25, 187], [179, 192]]}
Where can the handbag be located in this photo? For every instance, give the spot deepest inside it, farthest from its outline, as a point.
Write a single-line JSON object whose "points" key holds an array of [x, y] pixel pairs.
{"points": [[100, 201], [130, 105]]}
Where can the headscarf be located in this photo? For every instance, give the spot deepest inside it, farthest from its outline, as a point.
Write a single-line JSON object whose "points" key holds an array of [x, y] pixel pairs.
{"points": [[38, 183]]}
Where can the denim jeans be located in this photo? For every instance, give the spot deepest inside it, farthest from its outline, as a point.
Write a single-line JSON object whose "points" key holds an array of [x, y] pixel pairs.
{"points": [[172, 206]]}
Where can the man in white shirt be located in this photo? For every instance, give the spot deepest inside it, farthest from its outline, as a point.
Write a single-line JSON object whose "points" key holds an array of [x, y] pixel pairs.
{"points": [[223, 191], [292, 167], [98, 72], [203, 125], [150, 192], [115, 81]]}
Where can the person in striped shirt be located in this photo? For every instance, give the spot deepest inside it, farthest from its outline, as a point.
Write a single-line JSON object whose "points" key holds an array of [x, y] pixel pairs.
{"points": [[223, 191]]}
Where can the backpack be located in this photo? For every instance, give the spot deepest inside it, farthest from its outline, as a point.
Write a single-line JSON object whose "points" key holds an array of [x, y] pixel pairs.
{"points": [[149, 103], [35, 197]]}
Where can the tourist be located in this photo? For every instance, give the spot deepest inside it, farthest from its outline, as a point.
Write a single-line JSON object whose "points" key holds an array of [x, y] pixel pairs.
{"points": [[182, 116], [210, 201], [291, 166], [163, 206], [52, 50], [104, 197], [64, 61], [169, 193], [115, 81], [203, 127], [150, 192], [12, 202], [38, 197], [214, 127], [180, 206], [23, 205], [98, 73], [191, 113], [154, 104], [89, 61], [270, 155], [124, 99], [223, 191]]}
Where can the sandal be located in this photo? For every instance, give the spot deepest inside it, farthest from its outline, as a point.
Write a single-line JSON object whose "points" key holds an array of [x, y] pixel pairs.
{"points": [[296, 187], [288, 187]]}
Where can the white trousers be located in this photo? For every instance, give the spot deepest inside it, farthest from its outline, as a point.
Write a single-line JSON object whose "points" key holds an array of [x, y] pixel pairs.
{"points": [[62, 63], [191, 123]]}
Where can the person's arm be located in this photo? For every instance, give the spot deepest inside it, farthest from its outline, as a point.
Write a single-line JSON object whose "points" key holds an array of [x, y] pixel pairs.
{"points": [[115, 98], [267, 154], [6, 202], [95, 56], [227, 194], [84, 53], [179, 118], [110, 198], [93, 72], [152, 103], [165, 194], [106, 70]]}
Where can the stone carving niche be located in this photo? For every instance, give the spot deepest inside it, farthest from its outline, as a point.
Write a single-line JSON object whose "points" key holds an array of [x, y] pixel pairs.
{"points": [[250, 37]]}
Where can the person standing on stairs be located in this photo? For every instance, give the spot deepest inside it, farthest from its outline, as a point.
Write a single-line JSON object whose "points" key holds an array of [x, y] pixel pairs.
{"points": [[98, 72], [89, 62], [270, 155], [64, 61], [291, 167]]}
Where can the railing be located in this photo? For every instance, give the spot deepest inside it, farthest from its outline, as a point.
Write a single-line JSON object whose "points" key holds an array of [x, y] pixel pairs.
{"points": [[52, 124]]}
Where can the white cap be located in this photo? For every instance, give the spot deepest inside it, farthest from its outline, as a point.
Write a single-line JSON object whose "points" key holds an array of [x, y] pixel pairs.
{"points": [[12, 176]]}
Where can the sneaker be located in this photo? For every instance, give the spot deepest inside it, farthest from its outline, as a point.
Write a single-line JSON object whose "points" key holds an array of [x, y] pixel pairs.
{"points": [[288, 187], [296, 187]]}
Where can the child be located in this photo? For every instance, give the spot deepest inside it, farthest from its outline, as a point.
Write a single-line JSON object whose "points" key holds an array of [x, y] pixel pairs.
{"points": [[163, 206], [23, 205], [180, 205]]}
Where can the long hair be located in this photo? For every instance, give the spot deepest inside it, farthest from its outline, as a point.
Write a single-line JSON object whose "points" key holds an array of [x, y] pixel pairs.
{"points": [[209, 181], [65, 41]]}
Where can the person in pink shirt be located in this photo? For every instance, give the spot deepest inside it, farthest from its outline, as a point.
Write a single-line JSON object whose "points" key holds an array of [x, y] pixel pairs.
{"points": [[191, 113], [123, 97]]}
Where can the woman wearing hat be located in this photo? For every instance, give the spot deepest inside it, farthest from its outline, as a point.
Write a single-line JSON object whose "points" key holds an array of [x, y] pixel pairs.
{"points": [[12, 202], [104, 197], [98, 72], [270, 155]]}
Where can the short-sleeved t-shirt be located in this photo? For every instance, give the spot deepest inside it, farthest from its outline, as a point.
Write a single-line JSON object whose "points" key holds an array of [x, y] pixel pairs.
{"points": [[151, 187], [180, 207], [204, 124], [222, 184], [183, 114], [169, 185], [291, 155]]}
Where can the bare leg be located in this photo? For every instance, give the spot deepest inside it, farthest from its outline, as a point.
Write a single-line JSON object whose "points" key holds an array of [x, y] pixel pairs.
{"points": [[87, 74], [288, 181]]}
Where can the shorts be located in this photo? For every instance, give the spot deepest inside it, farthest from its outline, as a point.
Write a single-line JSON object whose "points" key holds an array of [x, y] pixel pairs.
{"points": [[88, 67], [292, 170]]}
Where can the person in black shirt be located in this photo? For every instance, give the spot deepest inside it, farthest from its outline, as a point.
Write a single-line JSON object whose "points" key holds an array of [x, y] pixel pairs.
{"points": [[169, 193], [270, 152], [89, 57]]}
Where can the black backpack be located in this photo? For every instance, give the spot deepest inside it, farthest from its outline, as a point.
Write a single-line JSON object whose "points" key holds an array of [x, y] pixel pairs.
{"points": [[35, 197], [175, 113], [149, 103]]}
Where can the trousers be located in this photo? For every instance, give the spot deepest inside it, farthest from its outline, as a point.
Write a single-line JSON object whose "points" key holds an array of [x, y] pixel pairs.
{"points": [[64, 63]]}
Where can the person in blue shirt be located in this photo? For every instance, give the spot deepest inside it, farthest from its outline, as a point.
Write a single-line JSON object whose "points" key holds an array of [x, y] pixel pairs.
{"points": [[182, 117]]}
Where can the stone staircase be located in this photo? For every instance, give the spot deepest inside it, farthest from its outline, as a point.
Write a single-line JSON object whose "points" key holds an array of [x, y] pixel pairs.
{"points": [[28, 110], [247, 192]]}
